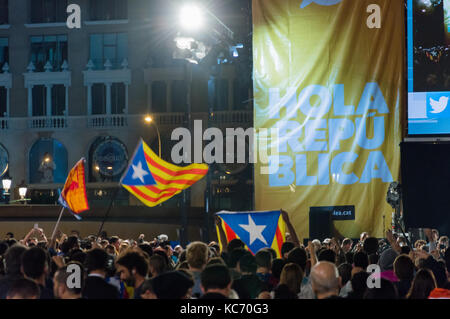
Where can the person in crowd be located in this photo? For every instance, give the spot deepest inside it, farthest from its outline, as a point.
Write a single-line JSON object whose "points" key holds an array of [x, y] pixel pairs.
{"points": [[249, 285], [325, 280], [61, 289], [263, 260], [358, 285], [292, 277], [133, 269], [286, 247], [23, 289], [422, 285], [386, 290], [345, 272], [13, 268], [216, 282], [197, 257], [172, 285], [347, 244], [157, 265], [147, 290], [35, 267], [277, 267], [327, 255], [386, 263], [404, 270], [95, 286]]}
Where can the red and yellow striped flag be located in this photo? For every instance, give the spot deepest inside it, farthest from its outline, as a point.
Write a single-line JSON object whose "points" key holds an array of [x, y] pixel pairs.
{"points": [[73, 196], [153, 180]]}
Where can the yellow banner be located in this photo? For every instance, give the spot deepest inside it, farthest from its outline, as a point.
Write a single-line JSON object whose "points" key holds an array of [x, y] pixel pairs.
{"points": [[329, 90]]}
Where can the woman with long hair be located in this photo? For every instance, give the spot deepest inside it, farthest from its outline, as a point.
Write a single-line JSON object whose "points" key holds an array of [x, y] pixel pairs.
{"points": [[422, 285]]}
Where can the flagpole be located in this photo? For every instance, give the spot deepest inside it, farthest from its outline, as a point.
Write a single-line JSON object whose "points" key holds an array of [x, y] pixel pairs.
{"points": [[57, 223], [108, 210]]}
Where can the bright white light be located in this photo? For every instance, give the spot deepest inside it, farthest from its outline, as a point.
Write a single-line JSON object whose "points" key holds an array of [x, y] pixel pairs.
{"points": [[6, 183], [22, 191], [184, 43], [191, 17]]}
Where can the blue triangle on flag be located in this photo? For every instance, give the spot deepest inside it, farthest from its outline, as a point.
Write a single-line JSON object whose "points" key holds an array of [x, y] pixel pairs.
{"points": [[138, 173], [256, 229]]}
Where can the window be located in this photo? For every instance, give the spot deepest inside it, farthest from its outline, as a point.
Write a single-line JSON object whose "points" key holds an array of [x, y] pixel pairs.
{"points": [[47, 162], [3, 106], [51, 48], [108, 9], [117, 98], [48, 11], [39, 100], [218, 94], [4, 51], [4, 18], [58, 100], [159, 99], [179, 96], [98, 99], [109, 46]]}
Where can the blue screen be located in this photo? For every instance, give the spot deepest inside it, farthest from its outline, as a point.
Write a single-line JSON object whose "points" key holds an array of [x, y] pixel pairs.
{"points": [[428, 28]]}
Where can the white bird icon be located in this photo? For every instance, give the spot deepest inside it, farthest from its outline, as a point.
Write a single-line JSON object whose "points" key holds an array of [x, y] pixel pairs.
{"points": [[439, 106]]}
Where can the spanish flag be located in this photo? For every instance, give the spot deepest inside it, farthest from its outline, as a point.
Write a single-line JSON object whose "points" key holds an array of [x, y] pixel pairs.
{"points": [[256, 229], [153, 180], [73, 195]]}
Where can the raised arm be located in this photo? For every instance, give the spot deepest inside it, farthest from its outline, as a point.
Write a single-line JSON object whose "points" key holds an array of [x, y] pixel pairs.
{"points": [[312, 253], [290, 228], [393, 242]]}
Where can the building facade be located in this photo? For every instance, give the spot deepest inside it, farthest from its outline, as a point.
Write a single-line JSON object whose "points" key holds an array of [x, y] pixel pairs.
{"points": [[72, 93]]}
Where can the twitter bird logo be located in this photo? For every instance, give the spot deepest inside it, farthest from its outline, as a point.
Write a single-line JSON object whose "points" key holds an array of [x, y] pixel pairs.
{"points": [[439, 106], [306, 3]]}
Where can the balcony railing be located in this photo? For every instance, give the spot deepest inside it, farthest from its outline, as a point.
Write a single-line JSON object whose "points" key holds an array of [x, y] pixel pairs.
{"points": [[231, 118], [53, 122], [170, 119], [107, 121], [4, 124]]}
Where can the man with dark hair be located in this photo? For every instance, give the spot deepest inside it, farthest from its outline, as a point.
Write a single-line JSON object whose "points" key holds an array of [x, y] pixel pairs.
{"points": [[115, 241], [133, 270], [13, 264], [216, 282], [96, 287], [298, 256], [360, 261], [62, 277], [157, 265], [248, 286], [35, 267], [345, 272], [234, 244], [286, 247], [404, 270], [370, 245], [147, 291], [23, 289], [263, 260], [173, 285], [386, 290], [327, 255], [347, 244]]}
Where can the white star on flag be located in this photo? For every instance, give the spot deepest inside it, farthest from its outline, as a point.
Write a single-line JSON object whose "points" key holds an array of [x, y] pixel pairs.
{"points": [[254, 230], [139, 172]]}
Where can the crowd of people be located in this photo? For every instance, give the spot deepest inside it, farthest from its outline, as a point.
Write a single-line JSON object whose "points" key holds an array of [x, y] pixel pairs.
{"points": [[72, 267]]}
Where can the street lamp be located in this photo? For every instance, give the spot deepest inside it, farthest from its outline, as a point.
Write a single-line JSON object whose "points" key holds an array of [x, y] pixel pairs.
{"points": [[6, 183], [149, 120], [22, 190]]}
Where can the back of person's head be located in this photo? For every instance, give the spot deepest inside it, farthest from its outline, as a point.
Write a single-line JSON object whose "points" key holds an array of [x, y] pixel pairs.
{"points": [[327, 255], [3, 247], [216, 260], [272, 252], [172, 285], [404, 267], [134, 261], [361, 260], [282, 291], [235, 243], [440, 274], [197, 254], [349, 257], [146, 248], [277, 267], [235, 255], [11, 242], [405, 250], [13, 259], [34, 262], [147, 291], [292, 276], [286, 247], [298, 256], [373, 259], [23, 289], [325, 278], [79, 256], [387, 258], [158, 264], [386, 290], [96, 259], [113, 240], [73, 242], [247, 264], [359, 285], [345, 272], [370, 245], [63, 276], [422, 285], [215, 277], [264, 259]]}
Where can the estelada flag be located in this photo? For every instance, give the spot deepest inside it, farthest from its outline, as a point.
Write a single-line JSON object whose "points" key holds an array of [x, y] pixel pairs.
{"points": [[256, 229], [153, 180], [73, 195]]}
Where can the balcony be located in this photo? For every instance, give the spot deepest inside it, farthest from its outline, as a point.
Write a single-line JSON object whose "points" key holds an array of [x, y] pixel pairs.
{"points": [[4, 125], [231, 118], [45, 123], [107, 121]]}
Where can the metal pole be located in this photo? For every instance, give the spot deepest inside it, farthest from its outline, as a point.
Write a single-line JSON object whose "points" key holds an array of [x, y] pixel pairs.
{"points": [[57, 223]]}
